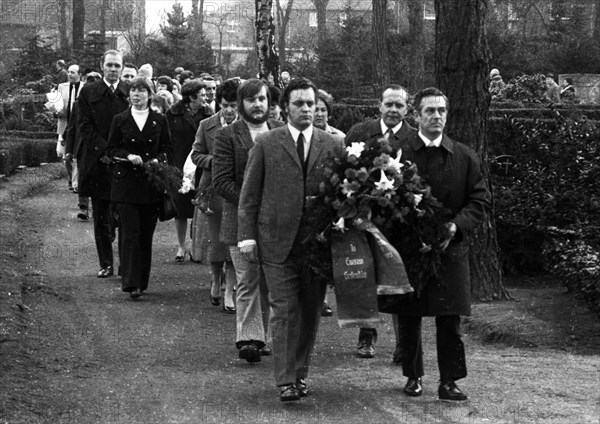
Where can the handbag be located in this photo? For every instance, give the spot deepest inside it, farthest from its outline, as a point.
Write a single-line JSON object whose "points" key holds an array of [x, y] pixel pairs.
{"points": [[203, 199], [167, 209]]}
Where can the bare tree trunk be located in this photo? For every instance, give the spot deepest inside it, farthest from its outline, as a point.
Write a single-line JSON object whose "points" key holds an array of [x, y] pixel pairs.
{"points": [[194, 13], [380, 53], [415, 34], [268, 61], [103, 9], [78, 25], [283, 18], [461, 59], [321, 6], [597, 21], [63, 26]]}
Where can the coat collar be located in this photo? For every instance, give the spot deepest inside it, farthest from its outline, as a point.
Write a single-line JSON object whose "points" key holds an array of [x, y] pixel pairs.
{"points": [[416, 143], [99, 90], [316, 147]]}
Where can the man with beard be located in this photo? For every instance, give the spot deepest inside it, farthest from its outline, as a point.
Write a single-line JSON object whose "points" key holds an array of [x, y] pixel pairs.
{"points": [[285, 166], [230, 155], [98, 104], [391, 125]]}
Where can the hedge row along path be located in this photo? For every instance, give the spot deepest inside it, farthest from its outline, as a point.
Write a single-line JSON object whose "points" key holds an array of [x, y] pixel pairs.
{"points": [[75, 349]]}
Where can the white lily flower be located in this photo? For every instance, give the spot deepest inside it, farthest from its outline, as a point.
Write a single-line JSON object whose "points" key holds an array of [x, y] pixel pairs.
{"points": [[384, 184], [355, 149], [394, 164], [418, 198], [340, 225], [346, 188]]}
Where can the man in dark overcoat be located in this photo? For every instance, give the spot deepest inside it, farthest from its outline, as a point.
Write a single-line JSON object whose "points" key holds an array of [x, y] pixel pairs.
{"points": [[391, 125], [98, 103], [454, 173], [285, 166]]}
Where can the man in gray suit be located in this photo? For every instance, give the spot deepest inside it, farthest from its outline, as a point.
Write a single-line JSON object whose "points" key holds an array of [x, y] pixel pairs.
{"points": [[391, 125], [285, 166]]}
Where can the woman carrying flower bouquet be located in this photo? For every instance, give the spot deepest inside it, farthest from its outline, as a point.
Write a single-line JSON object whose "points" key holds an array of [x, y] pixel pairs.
{"points": [[137, 136]]}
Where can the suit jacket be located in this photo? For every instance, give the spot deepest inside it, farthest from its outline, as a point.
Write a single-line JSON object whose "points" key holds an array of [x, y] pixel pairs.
{"points": [[63, 91], [454, 173], [97, 107], [129, 182], [230, 155], [370, 131], [73, 137], [274, 192]]}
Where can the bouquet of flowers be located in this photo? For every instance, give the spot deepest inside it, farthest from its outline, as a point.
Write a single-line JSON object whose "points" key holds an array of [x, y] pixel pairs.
{"points": [[372, 182], [164, 178]]}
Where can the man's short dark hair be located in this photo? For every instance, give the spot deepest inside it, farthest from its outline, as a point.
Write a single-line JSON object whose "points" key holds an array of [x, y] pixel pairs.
{"points": [[228, 91], [428, 92], [297, 84], [251, 88], [163, 79], [190, 89], [185, 75], [394, 87], [130, 65], [275, 94]]}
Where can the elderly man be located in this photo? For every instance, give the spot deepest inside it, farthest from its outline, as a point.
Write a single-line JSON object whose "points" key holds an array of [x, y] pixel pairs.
{"points": [[286, 165], [230, 155], [454, 173], [391, 125], [211, 90], [97, 105]]}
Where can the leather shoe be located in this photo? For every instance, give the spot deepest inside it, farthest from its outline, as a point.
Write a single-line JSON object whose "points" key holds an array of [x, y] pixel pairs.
{"points": [[326, 310], [301, 387], [413, 387], [397, 356], [215, 301], [229, 309], [366, 350], [250, 353], [135, 293], [449, 391], [289, 393], [265, 351], [105, 272]]}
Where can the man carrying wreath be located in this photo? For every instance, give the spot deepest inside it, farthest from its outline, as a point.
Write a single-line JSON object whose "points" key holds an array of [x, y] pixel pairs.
{"points": [[453, 171]]}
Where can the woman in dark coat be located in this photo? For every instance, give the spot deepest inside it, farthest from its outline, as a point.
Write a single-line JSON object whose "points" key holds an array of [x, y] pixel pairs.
{"points": [[137, 136], [184, 118]]}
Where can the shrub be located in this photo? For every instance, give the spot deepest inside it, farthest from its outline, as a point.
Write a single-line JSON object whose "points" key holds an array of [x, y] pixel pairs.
{"points": [[526, 88], [28, 152], [555, 183]]}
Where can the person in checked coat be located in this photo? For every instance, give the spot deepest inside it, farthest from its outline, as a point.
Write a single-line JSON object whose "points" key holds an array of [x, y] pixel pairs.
{"points": [[285, 166]]}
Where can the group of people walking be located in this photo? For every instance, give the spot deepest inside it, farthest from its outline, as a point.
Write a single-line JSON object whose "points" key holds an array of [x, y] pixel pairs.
{"points": [[258, 159]]}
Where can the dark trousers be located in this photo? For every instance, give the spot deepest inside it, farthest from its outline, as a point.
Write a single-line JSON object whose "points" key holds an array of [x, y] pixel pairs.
{"points": [[137, 225], [296, 298], [450, 348], [103, 230]]}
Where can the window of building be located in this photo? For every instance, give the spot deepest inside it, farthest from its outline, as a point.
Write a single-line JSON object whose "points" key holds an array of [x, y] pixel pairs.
{"points": [[312, 19]]}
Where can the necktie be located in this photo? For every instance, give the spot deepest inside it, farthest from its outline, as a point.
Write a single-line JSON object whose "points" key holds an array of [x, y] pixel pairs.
{"points": [[300, 150], [389, 134], [112, 88]]}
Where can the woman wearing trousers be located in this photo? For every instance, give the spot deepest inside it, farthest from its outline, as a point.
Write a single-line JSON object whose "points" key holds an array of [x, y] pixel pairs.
{"points": [[137, 136]]}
